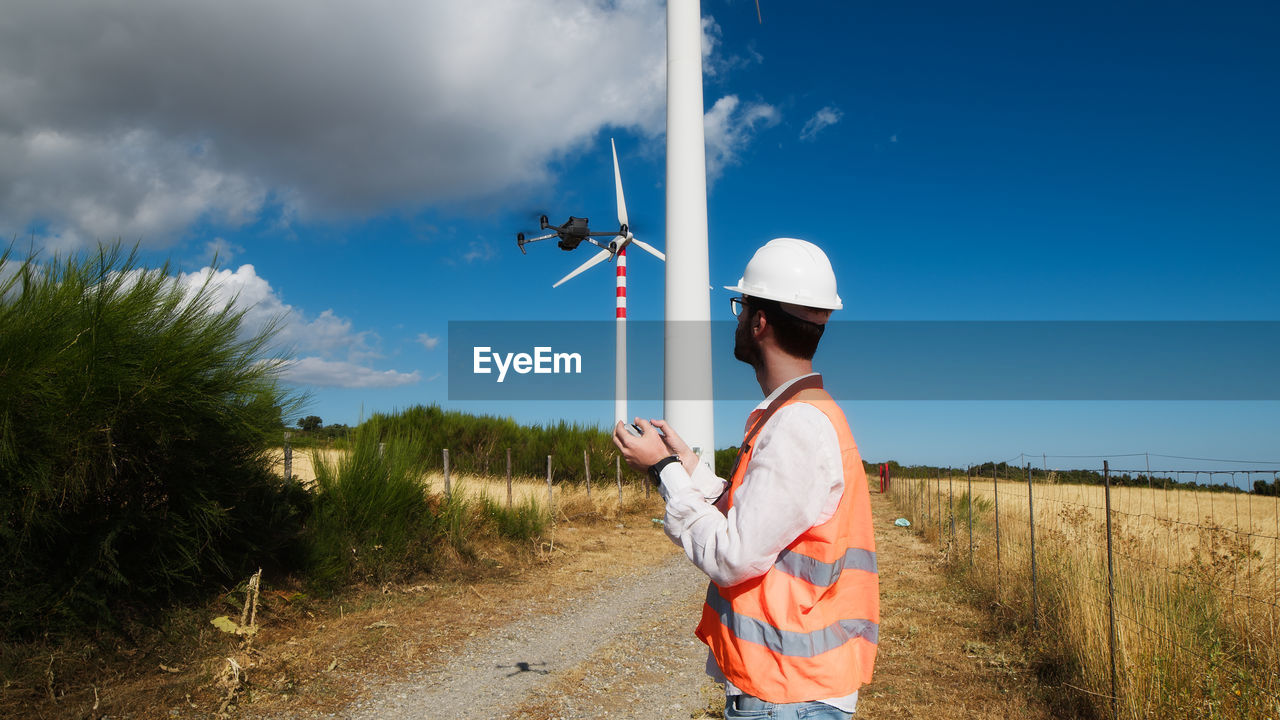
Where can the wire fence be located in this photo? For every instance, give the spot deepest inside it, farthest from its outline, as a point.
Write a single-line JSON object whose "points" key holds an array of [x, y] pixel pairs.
{"points": [[595, 469], [1153, 594]]}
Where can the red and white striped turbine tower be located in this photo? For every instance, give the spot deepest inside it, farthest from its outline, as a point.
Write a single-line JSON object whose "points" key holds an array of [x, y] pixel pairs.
{"points": [[617, 249]]}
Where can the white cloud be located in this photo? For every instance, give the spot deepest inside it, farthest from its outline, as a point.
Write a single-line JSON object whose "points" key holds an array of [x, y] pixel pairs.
{"points": [[222, 250], [481, 250], [428, 341], [730, 126], [332, 348], [824, 118], [138, 118], [109, 184], [328, 373], [716, 63]]}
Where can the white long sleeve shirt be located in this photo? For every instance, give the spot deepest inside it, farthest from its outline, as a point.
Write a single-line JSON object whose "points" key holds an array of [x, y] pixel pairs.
{"points": [[794, 482]]}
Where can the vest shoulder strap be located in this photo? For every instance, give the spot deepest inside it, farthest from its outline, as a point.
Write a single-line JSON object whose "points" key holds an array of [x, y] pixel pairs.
{"points": [[812, 382]]}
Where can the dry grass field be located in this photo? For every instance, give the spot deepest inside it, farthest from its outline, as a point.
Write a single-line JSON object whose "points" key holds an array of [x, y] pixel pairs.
{"points": [[1194, 576], [303, 468], [568, 500]]}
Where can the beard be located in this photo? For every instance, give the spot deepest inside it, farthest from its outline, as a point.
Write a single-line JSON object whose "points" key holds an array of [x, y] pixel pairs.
{"points": [[745, 347]]}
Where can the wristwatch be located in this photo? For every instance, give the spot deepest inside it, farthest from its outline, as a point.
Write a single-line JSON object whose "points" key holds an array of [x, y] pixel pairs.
{"points": [[655, 470]]}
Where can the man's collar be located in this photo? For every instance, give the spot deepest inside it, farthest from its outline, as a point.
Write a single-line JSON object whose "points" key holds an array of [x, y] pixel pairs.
{"points": [[780, 389]]}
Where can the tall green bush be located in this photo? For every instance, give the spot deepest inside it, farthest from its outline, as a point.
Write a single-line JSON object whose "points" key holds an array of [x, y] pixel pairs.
{"points": [[375, 517], [134, 425], [372, 518]]}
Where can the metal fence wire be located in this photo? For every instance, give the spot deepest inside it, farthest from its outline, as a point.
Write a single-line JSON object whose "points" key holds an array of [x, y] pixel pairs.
{"points": [[1159, 596]]}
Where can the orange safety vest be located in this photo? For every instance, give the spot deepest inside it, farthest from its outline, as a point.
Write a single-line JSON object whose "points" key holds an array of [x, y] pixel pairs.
{"points": [[807, 629]]}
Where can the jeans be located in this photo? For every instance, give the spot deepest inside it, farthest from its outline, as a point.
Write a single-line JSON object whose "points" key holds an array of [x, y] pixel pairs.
{"points": [[746, 707]]}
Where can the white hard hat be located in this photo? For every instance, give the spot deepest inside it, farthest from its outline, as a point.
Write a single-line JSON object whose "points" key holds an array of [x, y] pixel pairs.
{"points": [[793, 272]]}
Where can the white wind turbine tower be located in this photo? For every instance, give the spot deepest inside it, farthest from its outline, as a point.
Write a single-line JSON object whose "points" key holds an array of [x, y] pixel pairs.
{"points": [[687, 388], [618, 249]]}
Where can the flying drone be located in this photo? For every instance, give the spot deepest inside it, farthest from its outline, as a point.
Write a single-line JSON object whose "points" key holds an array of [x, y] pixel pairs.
{"points": [[575, 231], [571, 234]]}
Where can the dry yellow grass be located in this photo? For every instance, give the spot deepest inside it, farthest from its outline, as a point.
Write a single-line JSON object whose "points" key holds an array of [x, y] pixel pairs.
{"points": [[303, 462], [569, 500], [1195, 579]]}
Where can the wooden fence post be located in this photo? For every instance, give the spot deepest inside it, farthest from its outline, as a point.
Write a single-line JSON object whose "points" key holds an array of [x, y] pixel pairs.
{"points": [[617, 461], [942, 519], [550, 498], [508, 478], [928, 513], [586, 468], [448, 491], [288, 459]]}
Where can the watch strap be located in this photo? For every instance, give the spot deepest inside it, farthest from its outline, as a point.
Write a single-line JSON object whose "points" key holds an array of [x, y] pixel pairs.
{"points": [[655, 470]]}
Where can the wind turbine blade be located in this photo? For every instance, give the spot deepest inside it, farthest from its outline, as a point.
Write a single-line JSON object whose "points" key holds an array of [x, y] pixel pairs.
{"points": [[649, 249], [596, 260], [617, 181]]}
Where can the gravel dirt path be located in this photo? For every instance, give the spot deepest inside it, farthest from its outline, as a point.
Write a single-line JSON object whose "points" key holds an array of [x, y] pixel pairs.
{"points": [[624, 648], [622, 651]]}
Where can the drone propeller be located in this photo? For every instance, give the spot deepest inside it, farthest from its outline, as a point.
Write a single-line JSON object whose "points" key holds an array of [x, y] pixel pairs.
{"points": [[595, 260]]}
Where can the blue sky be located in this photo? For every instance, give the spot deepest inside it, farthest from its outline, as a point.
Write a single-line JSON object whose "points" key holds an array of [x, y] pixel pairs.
{"points": [[991, 161]]}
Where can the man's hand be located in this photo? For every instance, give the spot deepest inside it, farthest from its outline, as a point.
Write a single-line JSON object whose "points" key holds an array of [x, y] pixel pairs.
{"points": [[677, 446], [642, 451]]}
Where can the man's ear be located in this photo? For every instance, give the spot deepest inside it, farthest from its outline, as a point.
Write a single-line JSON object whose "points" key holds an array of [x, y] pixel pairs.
{"points": [[759, 321]]}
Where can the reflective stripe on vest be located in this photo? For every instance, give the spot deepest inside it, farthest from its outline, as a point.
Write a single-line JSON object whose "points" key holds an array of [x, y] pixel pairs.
{"points": [[786, 642], [822, 574]]}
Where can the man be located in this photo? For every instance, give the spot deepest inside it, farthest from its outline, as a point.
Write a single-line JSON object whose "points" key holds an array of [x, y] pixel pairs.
{"points": [[792, 611]]}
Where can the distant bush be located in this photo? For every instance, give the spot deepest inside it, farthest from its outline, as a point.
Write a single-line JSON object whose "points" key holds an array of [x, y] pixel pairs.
{"points": [[478, 443], [725, 458], [134, 424]]}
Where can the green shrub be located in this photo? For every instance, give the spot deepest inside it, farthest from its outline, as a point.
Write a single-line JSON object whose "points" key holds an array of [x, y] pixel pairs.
{"points": [[372, 518], [981, 508], [725, 458], [478, 444], [134, 425], [524, 521]]}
